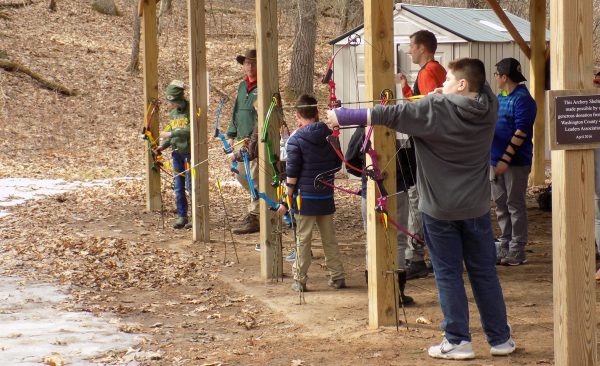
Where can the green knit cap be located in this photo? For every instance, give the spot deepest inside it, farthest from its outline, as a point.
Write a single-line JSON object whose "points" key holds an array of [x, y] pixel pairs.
{"points": [[174, 92]]}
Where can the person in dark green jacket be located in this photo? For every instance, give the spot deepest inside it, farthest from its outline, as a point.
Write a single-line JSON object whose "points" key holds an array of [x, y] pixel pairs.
{"points": [[243, 120], [177, 136]]}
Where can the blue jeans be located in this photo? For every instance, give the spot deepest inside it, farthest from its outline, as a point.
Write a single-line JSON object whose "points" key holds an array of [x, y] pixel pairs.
{"points": [[470, 241], [181, 183]]}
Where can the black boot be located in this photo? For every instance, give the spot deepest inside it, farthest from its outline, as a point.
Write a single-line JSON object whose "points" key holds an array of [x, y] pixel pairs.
{"points": [[406, 300]]}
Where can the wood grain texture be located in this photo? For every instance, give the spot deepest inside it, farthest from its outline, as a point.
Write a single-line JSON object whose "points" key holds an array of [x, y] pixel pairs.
{"points": [[150, 72], [572, 196], [200, 204], [537, 81], [271, 261], [381, 242]]}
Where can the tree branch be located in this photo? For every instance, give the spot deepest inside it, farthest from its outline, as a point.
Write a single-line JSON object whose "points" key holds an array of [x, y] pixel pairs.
{"points": [[15, 66]]}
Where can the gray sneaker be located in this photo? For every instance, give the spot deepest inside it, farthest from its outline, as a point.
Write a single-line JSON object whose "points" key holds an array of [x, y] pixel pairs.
{"points": [[501, 252], [337, 284], [506, 348], [514, 259], [180, 222], [299, 286], [449, 351], [292, 256]]}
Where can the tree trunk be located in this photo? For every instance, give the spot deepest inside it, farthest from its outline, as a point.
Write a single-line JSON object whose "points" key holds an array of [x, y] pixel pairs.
{"points": [[134, 63], [165, 8], [303, 54], [475, 4], [52, 5], [352, 14]]}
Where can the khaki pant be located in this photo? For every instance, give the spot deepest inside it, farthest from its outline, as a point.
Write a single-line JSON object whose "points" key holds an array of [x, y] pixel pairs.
{"points": [[304, 230], [253, 206]]}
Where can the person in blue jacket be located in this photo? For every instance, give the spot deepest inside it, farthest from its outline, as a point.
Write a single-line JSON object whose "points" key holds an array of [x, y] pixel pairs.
{"points": [[511, 156], [309, 154]]}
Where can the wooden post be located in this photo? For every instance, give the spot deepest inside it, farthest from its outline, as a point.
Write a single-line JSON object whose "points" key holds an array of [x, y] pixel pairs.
{"points": [[198, 120], [573, 196], [271, 262], [510, 27], [150, 70], [537, 82], [381, 243]]}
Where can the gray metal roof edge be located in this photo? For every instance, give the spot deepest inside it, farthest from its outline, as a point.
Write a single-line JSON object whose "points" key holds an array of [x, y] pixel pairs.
{"points": [[346, 34], [407, 7], [512, 16], [404, 6]]}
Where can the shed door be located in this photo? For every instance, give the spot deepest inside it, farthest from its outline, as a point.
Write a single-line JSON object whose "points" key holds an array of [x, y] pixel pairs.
{"points": [[405, 65]]}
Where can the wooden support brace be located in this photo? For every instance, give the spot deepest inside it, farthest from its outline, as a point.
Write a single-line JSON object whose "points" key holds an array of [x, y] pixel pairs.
{"points": [[510, 27]]}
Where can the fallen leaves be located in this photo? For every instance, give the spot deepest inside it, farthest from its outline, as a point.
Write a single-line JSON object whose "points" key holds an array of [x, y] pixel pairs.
{"points": [[423, 320], [55, 359], [131, 328]]}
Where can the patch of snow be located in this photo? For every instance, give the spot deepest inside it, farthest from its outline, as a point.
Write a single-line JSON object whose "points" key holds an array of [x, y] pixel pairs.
{"points": [[16, 191], [33, 327]]}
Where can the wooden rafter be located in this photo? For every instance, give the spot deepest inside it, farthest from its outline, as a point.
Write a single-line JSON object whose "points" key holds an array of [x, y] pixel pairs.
{"points": [[510, 27]]}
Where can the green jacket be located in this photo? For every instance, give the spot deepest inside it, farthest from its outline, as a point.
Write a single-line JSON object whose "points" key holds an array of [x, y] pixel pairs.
{"points": [[179, 126], [244, 116]]}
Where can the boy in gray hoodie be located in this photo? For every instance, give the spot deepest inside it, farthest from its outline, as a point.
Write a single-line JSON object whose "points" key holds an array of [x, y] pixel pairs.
{"points": [[453, 129]]}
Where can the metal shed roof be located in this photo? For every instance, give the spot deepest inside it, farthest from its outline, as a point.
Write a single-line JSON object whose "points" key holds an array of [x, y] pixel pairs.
{"points": [[474, 25]]}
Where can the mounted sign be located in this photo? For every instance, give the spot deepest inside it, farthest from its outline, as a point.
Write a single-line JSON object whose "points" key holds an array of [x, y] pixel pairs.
{"points": [[574, 119]]}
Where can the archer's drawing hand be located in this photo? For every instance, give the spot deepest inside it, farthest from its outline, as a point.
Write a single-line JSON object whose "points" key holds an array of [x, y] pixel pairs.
{"points": [[400, 78], [332, 119]]}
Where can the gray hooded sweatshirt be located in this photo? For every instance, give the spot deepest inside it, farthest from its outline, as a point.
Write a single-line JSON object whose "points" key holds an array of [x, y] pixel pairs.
{"points": [[452, 137]]}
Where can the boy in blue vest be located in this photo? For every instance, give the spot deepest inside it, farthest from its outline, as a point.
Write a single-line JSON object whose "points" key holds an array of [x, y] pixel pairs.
{"points": [[308, 155], [511, 156], [177, 136]]}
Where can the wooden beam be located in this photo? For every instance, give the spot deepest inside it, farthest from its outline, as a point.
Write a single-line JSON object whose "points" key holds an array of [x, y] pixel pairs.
{"points": [[271, 261], [381, 243], [198, 120], [510, 27], [573, 249], [150, 72], [537, 82]]}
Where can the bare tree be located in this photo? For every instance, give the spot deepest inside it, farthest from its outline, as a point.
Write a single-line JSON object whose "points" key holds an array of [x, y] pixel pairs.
{"points": [[476, 4], [303, 54], [134, 63], [352, 14], [165, 8]]}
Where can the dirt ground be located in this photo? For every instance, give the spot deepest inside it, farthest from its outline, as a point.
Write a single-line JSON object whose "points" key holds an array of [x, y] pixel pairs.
{"points": [[201, 307], [195, 302]]}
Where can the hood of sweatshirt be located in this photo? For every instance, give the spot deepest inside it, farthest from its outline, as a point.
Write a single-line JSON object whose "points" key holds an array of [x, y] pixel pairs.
{"points": [[473, 108], [314, 133]]}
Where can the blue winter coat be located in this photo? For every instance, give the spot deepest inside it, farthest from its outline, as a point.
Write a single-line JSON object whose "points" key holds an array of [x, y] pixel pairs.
{"points": [[308, 155]]}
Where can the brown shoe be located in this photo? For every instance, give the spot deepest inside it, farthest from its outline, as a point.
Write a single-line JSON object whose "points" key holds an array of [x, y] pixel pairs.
{"points": [[250, 225]]}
